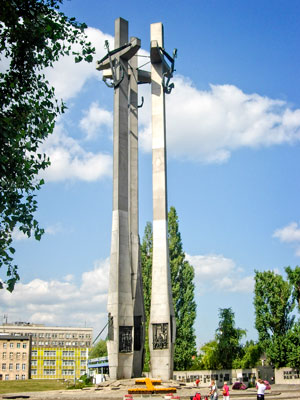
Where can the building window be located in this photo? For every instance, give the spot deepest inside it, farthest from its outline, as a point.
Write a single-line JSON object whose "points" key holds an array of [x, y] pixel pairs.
{"points": [[50, 353], [54, 335], [7, 377], [17, 366], [49, 363], [3, 366], [82, 372], [24, 345], [4, 355], [17, 377], [41, 335], [11, 345], [33, 372], [18, 355], [34, 363], [68, 353], [68, 372], [11, 354], [41, 343], [34, 353], [24, 355], [48, 335], [23, 367], [4, 345], [10, 366], [83, 363], [18, 345], [68, 336], [23, 377], [68, 363], [49, 371]]}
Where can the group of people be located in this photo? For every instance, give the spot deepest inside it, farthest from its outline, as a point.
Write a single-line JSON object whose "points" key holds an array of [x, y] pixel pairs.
{"points": [[213, 393]]}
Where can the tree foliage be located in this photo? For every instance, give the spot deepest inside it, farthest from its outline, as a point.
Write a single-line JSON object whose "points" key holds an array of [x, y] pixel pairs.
{"points": [[183, 287], [273, 319], [294, 279], [209, 355], [98, 350], [228, 338], [182, 280], [33, 35], [146, 261], [250, 355]]}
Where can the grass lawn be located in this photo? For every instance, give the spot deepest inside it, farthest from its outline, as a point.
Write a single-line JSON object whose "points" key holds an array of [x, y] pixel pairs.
{"points": [[31, 385]]}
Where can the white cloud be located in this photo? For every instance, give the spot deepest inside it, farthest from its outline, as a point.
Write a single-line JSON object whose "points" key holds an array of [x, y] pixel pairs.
{"points": [[289, 234], [50, 230], [69, 78], [207, 126], [70, 161], [94, 119], [218, 272], [62, 302]]}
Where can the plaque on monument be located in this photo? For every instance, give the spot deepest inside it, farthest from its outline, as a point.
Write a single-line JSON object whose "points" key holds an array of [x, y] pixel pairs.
{"points": [[125, 339], [138, 334], [160, 336]]}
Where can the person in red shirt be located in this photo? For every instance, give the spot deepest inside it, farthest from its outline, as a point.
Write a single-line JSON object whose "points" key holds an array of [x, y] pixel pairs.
{"points": [[225, 391]]}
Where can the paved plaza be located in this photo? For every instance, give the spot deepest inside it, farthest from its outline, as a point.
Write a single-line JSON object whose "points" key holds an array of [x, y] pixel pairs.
{"points": [[118, 389]]}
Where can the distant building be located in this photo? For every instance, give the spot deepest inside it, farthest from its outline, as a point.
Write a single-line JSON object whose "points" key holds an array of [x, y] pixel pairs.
{"points": [[56, 352], [15, 352]]}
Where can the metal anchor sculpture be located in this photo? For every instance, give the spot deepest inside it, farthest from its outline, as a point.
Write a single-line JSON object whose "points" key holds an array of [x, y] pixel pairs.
{"points": [[113, 59], [159, 55]]}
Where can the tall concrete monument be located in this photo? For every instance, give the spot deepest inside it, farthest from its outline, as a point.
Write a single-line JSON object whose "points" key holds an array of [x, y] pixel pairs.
{"points": [[125, 297], [126, 318], [162, 320]]}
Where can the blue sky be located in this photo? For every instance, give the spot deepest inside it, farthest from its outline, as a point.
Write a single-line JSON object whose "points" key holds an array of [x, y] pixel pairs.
{"points": [[233, 132]]}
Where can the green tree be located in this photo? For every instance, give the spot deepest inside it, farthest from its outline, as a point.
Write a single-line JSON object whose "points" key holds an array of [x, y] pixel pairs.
{"points": [[293, 346], [209, 355], [228, 338], [294, 278], [182, 280], [146, 261], [98, 350], [273, 304], [183, 287], [33, 35], [250, 356]]}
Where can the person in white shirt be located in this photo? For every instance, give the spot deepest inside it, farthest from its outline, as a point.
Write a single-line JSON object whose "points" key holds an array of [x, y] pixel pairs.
{"points": [[261, 387]]}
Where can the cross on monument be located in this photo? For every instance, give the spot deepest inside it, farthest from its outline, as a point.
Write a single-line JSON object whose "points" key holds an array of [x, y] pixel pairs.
{"points": [[126, 317]]}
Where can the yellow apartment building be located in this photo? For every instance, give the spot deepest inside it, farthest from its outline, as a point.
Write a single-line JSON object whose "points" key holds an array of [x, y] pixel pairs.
{"points": [[56, 352]]}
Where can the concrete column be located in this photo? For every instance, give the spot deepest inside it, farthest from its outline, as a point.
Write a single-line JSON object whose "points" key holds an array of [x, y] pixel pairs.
{"points": [[136, 268], [162, 321], [120, 304]]}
